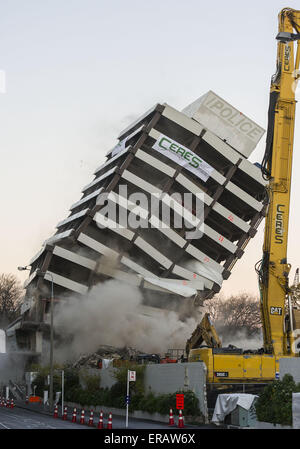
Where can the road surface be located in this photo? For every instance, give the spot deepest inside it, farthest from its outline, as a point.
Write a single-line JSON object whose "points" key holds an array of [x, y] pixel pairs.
{"points": [[22, 418], [18, 418]]}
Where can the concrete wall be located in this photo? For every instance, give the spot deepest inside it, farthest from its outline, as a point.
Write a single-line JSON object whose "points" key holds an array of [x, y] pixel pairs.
{"points": [[11, 343], [120, 412], [107, 378], [169, 378], [290, 366]]}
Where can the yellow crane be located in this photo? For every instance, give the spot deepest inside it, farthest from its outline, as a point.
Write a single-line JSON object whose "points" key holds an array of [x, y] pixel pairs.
{"points": [[279, 318]]}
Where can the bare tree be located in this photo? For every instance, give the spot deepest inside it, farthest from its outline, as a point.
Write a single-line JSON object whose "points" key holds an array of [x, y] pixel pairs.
{"points": [[295, 291], [236, 313], [10, 298]]}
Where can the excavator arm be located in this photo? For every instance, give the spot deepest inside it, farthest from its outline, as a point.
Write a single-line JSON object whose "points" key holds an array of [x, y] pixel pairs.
{"points": [[277, 168], [206, 333]]}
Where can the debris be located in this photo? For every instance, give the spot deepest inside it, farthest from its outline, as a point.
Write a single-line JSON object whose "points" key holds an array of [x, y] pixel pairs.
{"points": [[106, 352]]}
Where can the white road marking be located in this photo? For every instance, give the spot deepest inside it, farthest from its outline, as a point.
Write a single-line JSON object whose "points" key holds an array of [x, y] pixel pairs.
{"points": [[4, 425], [11, 416]]}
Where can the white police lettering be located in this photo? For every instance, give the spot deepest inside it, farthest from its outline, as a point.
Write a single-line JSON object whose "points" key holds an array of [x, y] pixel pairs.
{"points": [[235, 118]]}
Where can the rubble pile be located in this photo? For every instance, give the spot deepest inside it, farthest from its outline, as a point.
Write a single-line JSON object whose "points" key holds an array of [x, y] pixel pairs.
{"points": [[106, 352]]}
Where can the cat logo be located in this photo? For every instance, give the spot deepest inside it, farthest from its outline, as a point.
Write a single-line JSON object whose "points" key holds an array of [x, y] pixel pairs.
{"points": [[276, 310]]}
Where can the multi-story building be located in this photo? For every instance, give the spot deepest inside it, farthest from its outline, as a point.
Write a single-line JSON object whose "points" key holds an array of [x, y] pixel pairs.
{"points": [[170, 211]]}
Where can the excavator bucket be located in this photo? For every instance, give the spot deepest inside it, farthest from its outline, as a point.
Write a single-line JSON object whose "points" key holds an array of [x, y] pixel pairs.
{"points": [[205, 333]]}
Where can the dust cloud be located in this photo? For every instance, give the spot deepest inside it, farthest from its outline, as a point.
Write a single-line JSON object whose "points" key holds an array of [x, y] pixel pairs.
{"points": [[110, 314], [241, 339]]}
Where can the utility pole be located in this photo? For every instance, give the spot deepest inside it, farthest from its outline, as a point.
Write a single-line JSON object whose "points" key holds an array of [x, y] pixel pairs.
{"points": [[51, 347], [62, 391]]}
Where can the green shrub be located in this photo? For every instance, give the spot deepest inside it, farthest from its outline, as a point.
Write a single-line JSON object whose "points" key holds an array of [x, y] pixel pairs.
{"points": [[71, 378], [191, 403], [91, 381], [162, 403], [117, 395], [274, 404], [135, 402], [119, 389], [137, 387], [148, 403], [41, 380], [72, 394]]}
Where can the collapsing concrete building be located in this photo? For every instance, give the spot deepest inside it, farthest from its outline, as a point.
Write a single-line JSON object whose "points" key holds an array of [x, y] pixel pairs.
{"points": [[139, 219]]}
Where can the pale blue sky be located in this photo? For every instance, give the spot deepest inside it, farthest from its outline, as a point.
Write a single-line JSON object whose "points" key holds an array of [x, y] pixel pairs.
{"points": [[77, 72]]}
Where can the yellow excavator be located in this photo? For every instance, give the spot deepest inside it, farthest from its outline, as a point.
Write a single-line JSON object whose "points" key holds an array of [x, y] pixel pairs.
{"points": [[280, 320], [206, 333]]}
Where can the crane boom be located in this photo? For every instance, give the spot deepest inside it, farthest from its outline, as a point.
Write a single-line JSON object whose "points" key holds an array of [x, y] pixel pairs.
{"points": [[277, 167]]}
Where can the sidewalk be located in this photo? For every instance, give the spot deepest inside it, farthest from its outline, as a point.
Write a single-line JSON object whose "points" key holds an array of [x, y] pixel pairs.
{"points": [[34, 407]]}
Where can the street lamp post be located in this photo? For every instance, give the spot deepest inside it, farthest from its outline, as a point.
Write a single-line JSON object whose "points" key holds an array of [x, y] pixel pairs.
{"points": [[62, 391], [51, 333], [51, 346]]}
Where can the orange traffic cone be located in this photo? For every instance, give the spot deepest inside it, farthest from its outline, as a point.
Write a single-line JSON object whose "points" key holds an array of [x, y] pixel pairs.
{"points": [[12, 403], [100, 423], [82, 417], [65, 415], [171, 418], [7, 403], [55, 415], [2, 402], [180, 419], [91, 420], [74, 415], [109, 424]]}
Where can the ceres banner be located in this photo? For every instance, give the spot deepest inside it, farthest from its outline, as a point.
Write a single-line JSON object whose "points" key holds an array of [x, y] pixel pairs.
{"points": [[183, 156]]}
